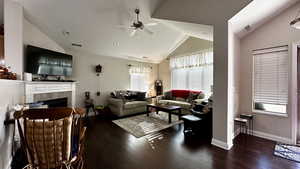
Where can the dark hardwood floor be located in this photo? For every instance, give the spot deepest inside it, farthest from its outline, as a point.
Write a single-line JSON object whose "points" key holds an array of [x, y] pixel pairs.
{"points": [[111, 147]]}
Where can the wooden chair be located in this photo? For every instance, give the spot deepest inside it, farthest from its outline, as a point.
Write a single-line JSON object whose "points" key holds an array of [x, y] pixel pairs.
{"points": [[52, 138]]}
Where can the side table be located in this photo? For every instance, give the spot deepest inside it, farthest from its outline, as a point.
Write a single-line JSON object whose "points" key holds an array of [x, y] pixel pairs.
{"points": [[101, 111], [250, 118]]}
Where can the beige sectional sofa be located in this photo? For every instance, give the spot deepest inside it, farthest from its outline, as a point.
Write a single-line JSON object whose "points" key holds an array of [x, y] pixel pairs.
{"points": [[183, 98], [124, 103]]}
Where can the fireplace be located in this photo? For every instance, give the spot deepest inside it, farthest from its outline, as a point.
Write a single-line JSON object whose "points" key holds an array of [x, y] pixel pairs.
{"points": [[59, 102], [53, 93]]}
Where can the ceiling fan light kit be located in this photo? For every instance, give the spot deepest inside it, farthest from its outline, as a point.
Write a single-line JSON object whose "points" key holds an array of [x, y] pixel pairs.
{"points": [[296, 22], [138, 25]]}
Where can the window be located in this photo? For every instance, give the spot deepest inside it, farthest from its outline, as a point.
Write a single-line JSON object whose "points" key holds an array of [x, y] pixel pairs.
{"points": [[194, 72], [270, 80], [138, 82], [139, 77]]}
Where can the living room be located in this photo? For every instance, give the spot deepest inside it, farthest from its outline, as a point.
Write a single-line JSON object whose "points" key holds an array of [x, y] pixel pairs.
{"points": [[152, 78]]}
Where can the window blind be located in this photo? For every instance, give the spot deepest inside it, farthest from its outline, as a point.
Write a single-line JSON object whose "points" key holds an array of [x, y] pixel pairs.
{"points": [[179, 78], [138, 82], [270, 79]]}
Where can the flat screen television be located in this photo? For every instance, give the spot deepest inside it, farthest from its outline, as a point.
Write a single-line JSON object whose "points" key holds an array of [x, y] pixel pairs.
{"points": [[41, 61]]}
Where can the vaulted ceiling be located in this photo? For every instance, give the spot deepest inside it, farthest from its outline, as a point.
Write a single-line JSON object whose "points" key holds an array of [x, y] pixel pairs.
{"points": [[96, 25], [257, 13]]}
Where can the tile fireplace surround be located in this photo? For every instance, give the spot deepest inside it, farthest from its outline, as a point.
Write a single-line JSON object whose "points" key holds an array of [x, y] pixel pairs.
{"points": [[41, 91]]}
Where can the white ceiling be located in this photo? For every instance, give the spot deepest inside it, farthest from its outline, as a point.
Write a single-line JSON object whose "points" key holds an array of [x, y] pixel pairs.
{"points": [[94, 24], [257, 13]]}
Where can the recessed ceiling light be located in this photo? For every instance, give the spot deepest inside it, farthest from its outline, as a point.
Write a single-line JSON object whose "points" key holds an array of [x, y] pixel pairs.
{"points": [[248, 28]]}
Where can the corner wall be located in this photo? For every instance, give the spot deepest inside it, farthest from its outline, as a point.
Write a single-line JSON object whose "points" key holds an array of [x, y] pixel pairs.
{"points": [[276, 32]]}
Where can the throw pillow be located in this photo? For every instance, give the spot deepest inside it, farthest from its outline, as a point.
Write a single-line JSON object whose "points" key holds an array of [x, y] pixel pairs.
{"points": [[201, 96], [192, 96], [141, 96], [113, 94], [168, 95]]}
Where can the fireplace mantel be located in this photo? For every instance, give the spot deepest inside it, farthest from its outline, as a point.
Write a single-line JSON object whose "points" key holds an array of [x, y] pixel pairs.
{"points": [[32, 88]]}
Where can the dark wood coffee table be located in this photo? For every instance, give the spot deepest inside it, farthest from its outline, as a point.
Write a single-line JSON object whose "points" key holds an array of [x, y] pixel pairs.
{"points": [[165, 108]]}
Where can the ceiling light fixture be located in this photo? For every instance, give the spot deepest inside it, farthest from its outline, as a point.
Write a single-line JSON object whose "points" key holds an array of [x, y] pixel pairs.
{"points": [[296, 22]]}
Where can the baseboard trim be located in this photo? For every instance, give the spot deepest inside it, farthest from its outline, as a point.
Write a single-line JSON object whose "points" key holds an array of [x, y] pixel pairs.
{"points": [[221, 144], [267, 136], [272, 137], [8, 166]]}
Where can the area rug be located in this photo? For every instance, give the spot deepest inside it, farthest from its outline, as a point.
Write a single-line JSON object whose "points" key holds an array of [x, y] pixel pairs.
{"points": [[287, 151], [142, 125]]}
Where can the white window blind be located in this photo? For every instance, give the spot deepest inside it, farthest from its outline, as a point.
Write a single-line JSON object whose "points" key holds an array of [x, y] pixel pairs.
{"points": [[138, 82], [270, 79], [179, 79]]}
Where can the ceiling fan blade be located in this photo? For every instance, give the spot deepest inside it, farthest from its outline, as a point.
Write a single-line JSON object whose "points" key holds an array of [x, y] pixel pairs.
{"points": [[151, 24], [133, 32], [148, 31]]}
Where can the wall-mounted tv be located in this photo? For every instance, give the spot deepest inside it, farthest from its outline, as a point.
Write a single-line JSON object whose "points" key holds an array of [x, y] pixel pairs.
{"points": [[41, 61]]}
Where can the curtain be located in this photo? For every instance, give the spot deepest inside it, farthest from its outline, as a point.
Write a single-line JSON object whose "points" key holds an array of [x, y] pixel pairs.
{"points": [[140, 69], [201, 58], [193, 72]]}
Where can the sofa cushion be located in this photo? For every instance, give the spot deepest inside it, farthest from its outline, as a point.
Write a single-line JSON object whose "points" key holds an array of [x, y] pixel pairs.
{"points": [[182, 104], [180, 99], [135, 104]]}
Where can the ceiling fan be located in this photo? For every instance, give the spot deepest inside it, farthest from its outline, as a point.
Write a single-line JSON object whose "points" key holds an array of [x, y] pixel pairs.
{"points": [[138, 25]]}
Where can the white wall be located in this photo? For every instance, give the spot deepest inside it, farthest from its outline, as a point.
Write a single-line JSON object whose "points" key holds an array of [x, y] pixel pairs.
{"points": [[13, 36], [115, 75], [11, 92], [274, 33], [234, 69]]}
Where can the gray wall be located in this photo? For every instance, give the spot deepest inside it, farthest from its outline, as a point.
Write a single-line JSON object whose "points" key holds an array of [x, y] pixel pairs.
{"points": [[189, 46], [274, 33], [115, 75]]}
